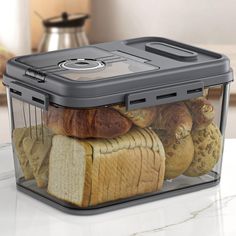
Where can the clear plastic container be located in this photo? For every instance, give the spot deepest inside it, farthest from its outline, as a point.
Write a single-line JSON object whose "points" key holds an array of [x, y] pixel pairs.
{"points": [[87, 160]]}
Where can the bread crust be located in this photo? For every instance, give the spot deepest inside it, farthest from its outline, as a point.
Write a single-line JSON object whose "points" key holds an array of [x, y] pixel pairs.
{"points": [[88, 175]]}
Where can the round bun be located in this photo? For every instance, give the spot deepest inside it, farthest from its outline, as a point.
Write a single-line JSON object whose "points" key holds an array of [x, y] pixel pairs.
{"points": [[179, 156], [202, 112]]}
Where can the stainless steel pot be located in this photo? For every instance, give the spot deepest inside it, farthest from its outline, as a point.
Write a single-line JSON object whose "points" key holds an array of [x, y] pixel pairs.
{"points": [[65, 31]]}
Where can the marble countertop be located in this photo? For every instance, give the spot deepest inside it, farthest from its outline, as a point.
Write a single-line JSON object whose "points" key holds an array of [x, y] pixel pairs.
{"points": [[210, 212]]}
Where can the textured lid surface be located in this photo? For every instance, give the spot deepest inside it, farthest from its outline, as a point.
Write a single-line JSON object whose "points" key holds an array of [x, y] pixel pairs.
{"points": [[109, 73]]}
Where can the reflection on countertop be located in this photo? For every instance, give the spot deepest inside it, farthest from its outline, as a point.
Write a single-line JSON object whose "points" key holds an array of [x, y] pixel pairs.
{"points": [[206, 212]]}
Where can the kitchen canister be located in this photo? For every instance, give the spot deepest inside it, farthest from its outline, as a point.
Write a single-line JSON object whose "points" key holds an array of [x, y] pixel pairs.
{"points": [[116, 124]]}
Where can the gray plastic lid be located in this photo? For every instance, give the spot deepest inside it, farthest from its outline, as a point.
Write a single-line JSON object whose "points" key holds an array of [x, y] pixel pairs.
{"points": [[138, 72]]}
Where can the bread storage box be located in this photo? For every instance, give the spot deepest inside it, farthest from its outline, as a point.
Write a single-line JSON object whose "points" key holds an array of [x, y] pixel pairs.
{"points": [[116, 124]]}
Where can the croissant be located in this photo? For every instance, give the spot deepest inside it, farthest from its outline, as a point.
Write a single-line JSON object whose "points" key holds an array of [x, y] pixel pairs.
{"points": [[87, 123]]}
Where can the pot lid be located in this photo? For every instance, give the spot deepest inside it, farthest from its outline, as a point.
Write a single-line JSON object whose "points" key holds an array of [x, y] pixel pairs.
{"points": [[66, 20]]}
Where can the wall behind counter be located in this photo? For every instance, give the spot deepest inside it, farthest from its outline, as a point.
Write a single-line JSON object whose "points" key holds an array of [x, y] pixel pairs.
{"points": [[201, 21]]}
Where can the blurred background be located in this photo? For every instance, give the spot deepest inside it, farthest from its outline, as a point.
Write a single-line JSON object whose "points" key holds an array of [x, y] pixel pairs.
{"points": [[26, 27]]}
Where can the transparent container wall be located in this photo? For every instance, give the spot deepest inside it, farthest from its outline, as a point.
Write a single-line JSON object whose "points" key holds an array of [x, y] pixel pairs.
{"points": [[92, 157]]}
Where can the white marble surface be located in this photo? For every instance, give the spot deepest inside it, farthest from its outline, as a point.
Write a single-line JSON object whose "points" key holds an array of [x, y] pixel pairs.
{"points": [[210, 212]]}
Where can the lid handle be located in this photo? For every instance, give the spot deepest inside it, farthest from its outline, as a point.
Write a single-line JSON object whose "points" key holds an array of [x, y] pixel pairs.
{"points": [[171, 51]]}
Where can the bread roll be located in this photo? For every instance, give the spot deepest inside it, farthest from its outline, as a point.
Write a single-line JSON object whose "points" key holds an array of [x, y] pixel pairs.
{"points": [[18, 136], [207, 150], [37, 150], [32, 151], [202, 112], [179, 156], [174, 120], [141, 117], [87, 173], [86, 123]]}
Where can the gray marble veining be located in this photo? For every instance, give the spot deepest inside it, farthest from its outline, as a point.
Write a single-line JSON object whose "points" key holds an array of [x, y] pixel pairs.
{"points": [[192, 215], [4, 145]]}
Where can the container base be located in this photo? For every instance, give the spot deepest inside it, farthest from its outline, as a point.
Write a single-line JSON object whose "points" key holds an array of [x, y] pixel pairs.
{"points": [[170, 189]]}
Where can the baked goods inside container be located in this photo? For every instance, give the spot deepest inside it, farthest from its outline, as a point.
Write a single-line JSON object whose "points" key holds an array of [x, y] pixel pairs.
{"points": [[99, 156]]}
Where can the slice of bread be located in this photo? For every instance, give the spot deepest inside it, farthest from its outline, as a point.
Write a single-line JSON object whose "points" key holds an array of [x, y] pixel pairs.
{"points": [[70, 170]]}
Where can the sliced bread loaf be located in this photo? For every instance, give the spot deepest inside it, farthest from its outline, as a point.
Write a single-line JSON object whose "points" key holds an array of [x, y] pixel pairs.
{"points": [[102, 170]]}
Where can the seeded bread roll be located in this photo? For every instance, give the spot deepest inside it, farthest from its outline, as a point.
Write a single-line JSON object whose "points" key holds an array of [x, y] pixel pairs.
{"points": [[87, 173], [202, 112], [179, 155], [87, 123], [174, 120], [207, 150], [141, 117]]}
